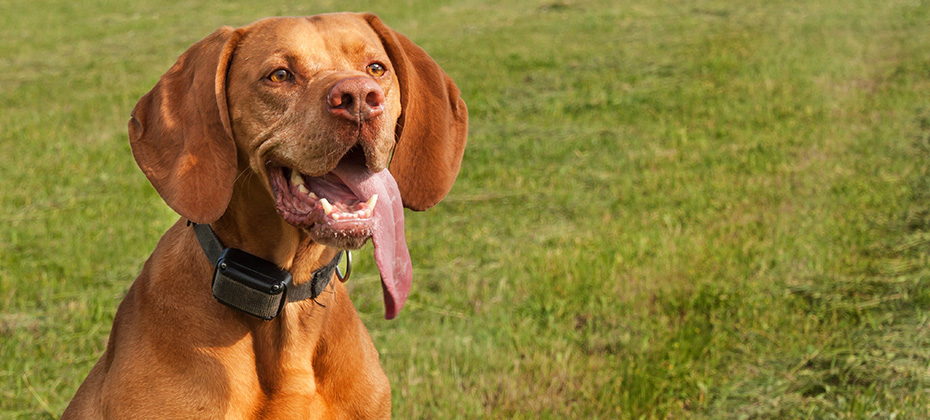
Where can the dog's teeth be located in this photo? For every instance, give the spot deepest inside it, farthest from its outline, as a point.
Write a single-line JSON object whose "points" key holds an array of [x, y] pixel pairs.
{"points": [[327, 208], [371, 201], [336, 216], [303, 189], [313, 196], [296, 179]]}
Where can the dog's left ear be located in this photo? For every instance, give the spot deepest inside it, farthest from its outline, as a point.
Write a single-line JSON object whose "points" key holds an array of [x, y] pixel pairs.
{"points": [[433, 126], [180, 132]]}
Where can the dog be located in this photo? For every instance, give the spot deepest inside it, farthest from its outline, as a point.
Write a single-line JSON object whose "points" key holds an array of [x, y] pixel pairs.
{"points": [[272, 142]]}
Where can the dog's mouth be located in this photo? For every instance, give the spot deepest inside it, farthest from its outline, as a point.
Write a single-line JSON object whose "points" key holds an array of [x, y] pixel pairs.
{"points": [[343, 209], [325, 206]]}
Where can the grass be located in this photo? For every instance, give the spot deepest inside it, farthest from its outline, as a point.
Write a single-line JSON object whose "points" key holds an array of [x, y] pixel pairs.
{"points": [[697, 209]]}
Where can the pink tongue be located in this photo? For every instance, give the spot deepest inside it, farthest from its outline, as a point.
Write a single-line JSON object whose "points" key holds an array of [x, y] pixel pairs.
{"points": [[391, 252]]}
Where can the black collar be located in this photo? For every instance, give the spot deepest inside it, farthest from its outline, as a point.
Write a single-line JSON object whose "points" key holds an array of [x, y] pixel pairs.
{"points": [[257, 286]]}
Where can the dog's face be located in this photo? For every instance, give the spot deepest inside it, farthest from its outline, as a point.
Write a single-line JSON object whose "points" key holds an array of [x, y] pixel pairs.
{"points": [[286, 78], [316, 109], [305, 94]]}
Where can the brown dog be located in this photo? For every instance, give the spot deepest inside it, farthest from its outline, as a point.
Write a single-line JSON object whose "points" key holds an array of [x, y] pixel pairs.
{"points": [[277, 135]]}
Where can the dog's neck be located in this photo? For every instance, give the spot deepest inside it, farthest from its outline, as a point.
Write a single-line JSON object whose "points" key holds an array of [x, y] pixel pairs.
{"points": [[285, 348]]}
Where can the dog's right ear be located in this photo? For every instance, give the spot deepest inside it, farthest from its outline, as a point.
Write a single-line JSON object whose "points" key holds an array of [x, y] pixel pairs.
{"points": [[180, 132]]}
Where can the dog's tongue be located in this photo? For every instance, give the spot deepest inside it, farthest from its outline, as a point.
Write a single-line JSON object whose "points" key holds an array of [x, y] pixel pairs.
{"points": [[391, 252]]}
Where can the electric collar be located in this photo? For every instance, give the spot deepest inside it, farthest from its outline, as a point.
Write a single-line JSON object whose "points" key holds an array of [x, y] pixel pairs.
{"points": [[257, 286]]}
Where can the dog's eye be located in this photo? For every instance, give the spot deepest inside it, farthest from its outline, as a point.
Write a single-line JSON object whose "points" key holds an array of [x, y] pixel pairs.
{"points": [[376, 69], [279, 75]]}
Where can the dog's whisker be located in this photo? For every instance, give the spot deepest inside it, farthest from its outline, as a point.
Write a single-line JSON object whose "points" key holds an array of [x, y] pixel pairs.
{"points": [[318, 303], [243, 176]]}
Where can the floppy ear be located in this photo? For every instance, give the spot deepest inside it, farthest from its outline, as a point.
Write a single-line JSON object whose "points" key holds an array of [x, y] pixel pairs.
{"points": [[180, 133], [433, 125]]}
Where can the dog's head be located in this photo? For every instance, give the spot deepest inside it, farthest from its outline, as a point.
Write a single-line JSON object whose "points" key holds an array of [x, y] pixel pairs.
{"points": [[317, 108]]}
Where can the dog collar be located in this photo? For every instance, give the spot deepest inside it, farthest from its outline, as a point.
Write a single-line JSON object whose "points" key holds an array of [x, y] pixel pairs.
{"points": [[257, 286]]}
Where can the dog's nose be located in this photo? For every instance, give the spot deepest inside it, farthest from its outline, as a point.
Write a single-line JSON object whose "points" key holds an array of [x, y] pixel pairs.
{"points": [[358, 99]]}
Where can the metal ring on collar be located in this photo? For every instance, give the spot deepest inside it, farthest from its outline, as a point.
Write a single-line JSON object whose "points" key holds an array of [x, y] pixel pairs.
{"points": [[345, 277]]}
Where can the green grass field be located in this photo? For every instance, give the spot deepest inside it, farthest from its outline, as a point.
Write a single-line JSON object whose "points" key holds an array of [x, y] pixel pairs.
{"points": [[667, 210]]}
